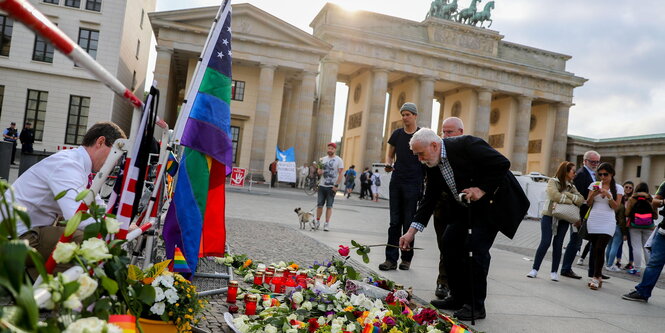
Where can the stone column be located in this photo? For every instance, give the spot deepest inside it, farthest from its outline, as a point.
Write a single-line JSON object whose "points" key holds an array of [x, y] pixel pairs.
{"points": [[618, 168], [646, 169], [482, 127], [304, 118], [284, 116], [374, 125], [261, 117], [521, 143], [162, 75], [425, 99], [442, 102], [560, 139], [324, 120], [292, 117]]}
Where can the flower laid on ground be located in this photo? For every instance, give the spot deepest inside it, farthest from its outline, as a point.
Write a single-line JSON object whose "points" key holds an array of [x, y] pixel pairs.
{"points": [[92, 325]]}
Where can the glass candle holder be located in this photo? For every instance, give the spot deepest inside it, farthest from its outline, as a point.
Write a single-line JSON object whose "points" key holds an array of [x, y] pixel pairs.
{"points": [[267, 278], [250, 305], [258, 278], [232, 292]]}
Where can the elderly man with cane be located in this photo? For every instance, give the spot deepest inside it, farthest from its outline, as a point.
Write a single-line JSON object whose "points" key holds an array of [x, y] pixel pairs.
{"points": [[466, 165]]}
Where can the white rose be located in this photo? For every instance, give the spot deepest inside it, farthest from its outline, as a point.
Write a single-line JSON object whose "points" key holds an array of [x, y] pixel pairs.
{"points": [[321, 320], [249, 277], [158, 308], [297, 297], [270, 329], [112, 225], [260, 267], [228, 260], [307, 305], [87, 325], [291, 317], [73, 302], [159, 294], [111, 328], [291, 330], [94, 249], [281, 264], [171, 296], [321, 307], [351, 327], [64, 252], [87, 286]]}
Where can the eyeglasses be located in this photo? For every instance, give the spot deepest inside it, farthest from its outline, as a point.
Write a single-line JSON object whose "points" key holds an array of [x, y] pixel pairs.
{"points": [[603, 174], [593, 162]]}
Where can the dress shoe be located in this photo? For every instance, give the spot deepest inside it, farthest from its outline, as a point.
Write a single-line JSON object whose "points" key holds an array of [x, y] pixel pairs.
{"points": [[465, 313], [571, 274], [449, 303], [603, 276], [388, 266], [405, 265], [441, 291]]}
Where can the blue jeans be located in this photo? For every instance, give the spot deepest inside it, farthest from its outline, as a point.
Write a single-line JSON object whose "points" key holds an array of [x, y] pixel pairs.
{"points": [[613, 248], [403, 203], [571, 251], [654, 267], [546, 240]]}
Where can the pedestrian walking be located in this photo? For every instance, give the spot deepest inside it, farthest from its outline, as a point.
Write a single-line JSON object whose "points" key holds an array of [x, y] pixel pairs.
{"points": [[331, 176]]}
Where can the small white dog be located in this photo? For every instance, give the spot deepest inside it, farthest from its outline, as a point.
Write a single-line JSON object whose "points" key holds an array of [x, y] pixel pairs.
{"points": [[304, 218]]}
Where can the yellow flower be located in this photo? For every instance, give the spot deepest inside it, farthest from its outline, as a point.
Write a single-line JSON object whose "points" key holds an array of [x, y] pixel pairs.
{"points": [[190, 310], [348, 308], [294, 266], [247, 263], [394, 330]]}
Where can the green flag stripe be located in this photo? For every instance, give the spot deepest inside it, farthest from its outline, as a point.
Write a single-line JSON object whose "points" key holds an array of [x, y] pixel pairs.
{"points": [[216, 84]]}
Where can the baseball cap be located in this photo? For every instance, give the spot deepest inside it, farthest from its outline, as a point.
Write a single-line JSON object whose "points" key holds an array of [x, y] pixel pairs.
{"points": [[408, 106], [333, 144]]}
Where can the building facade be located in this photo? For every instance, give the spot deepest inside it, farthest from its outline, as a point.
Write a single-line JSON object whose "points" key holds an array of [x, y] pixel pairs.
{"points": [[42, 86], [514, 96], [636, 158]]}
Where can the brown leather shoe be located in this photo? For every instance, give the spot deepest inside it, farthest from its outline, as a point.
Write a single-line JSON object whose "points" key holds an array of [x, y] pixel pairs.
{"points": [[405, 265], [388, 266]]}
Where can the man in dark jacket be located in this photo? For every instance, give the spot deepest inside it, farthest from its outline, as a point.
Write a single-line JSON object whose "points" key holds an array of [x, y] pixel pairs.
{"points": [[27, 138], [583, 177], [463, 164]]}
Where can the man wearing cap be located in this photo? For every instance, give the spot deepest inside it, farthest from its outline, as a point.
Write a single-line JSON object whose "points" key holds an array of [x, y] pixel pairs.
{"points": [[331, 176], [10, 135], [406, 184]]}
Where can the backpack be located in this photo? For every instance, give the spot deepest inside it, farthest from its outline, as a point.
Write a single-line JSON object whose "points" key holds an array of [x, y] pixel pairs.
{"points": [[350, 177], [641, 215], [377, 180], [363, 177]]}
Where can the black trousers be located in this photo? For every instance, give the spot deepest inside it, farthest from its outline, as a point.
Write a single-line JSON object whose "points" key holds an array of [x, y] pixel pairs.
{"points": [[455, 251], [403, 203]]}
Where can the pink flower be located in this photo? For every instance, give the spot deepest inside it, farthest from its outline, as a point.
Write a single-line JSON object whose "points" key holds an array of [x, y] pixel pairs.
{"points": [[344, 251]]}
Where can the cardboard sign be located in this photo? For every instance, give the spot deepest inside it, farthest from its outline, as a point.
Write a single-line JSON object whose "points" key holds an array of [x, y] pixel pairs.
{"points": [[286, 172], [238, 177]]}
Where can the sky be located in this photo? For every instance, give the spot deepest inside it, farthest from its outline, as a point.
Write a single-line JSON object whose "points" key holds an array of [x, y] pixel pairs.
{"points": [[617, 45]]}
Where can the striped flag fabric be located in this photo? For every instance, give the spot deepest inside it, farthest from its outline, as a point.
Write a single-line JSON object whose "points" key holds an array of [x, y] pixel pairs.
{"points": [[458, 329], [179, 262], [195, 220]]}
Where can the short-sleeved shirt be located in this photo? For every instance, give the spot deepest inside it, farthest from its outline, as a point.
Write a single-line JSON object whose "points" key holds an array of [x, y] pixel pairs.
{"points": [[407, 168], [331, 166], [602, 218]]}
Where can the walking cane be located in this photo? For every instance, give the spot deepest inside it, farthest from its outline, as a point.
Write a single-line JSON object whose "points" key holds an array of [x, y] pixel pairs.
{"points": [[462, 196]]}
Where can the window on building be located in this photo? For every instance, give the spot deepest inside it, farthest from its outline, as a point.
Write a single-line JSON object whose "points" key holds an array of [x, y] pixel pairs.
{"points": [[55, 2], [77, 120], [6, 28], [88, 40], [235, 137], [43, 50], [95, 5], [73, 3], [237, 90], [134, 81], [35, 111], [639, 171], [2, 96], [142, 15], [138, 48]]}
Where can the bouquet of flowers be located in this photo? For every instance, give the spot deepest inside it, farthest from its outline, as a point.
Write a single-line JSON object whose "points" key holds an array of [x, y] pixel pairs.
{"points": [[175, 298]]}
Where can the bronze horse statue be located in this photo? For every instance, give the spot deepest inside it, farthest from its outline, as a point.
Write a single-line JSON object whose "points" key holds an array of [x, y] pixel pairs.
{"points": [[483, 15], [466, 14]]}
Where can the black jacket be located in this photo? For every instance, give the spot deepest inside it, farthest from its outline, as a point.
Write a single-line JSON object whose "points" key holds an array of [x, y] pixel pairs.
{"points": [[475, 164], [582, 180], [27, 136]]}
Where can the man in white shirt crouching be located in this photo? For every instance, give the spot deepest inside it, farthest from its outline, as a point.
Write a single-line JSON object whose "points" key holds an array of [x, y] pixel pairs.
{"points": [[69, 170]]}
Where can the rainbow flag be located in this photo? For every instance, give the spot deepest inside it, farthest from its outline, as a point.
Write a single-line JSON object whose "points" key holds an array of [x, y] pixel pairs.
{"points": [[171, 165], [457, 329], [126, 323], [195, 220], [179, 262]]}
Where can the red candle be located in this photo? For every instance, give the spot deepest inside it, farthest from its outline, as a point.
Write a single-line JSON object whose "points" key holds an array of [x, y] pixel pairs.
{"points": [[250, 305], [268, 277], [232, 292], [258, 278], [277, 284]]}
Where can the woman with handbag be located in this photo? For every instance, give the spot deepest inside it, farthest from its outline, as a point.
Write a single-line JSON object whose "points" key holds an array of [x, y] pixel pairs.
{"points": [[604, 199], [562, 210]]}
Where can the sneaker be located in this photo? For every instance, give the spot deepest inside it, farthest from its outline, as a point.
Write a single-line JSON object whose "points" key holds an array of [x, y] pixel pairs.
{"points": [[580, 261], [635, 296], [554, 276], [613, 269], [628, 266], [325, 227], [618, 265], [532, 274], [317, 224]]}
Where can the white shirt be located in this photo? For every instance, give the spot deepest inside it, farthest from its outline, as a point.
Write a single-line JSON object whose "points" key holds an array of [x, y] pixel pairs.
{"points": [[36, 188], [331, 169], [602, 218]]}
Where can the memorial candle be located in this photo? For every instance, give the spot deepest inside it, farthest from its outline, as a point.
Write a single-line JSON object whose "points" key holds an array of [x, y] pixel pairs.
{"points": [[250, 305], [232, 292], [267, 278], [258, 278]]}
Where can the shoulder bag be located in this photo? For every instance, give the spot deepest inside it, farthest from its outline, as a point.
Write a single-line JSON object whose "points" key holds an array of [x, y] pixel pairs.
{"points": [[566, 212]]}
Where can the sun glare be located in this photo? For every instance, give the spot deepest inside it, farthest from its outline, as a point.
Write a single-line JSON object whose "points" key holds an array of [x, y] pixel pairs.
{"points": [[351, 5]]}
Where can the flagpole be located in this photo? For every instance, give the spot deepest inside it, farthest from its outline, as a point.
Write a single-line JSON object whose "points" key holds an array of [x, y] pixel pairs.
{"points": [[198, 75]]}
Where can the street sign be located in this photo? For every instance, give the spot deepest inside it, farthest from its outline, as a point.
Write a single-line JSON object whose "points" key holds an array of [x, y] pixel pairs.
{"points": [[238, 177]]}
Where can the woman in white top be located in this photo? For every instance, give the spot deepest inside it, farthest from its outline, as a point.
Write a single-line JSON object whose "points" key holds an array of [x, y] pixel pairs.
{"points": [[604, 199]]}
